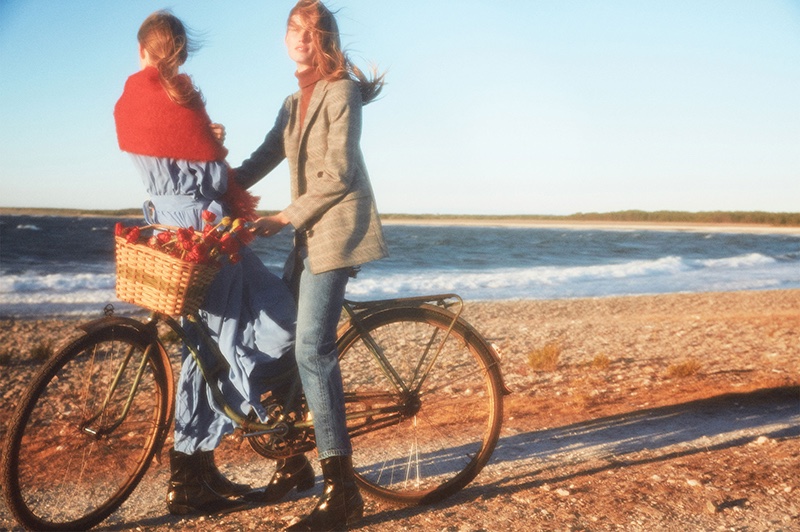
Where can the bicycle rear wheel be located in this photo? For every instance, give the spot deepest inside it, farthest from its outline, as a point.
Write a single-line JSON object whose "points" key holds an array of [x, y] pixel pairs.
{"points": [[432, 434], [67, 465]]}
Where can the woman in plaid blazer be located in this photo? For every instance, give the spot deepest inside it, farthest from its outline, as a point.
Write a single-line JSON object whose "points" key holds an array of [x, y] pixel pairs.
{"points": [[336, 226]]}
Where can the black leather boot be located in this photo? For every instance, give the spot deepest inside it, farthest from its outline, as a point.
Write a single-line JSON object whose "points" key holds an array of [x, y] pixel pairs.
{"points": [[293, 472], [188, 491], [340, 504], [217, 481]]}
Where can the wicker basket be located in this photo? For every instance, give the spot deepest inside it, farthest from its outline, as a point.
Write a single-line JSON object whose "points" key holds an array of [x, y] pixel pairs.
{"points": [[160, 282]]}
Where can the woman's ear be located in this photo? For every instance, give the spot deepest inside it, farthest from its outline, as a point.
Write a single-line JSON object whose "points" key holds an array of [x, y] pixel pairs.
{"points": [[144, 57]]}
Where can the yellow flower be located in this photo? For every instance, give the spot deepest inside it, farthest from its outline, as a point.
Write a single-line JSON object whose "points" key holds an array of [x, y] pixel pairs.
{"points": [[238, 224]]}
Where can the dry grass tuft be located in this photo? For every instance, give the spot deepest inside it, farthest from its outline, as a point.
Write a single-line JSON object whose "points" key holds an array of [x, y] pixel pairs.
{"points": [[545, 358], [684, 369], [42, 351], [600, 361]]}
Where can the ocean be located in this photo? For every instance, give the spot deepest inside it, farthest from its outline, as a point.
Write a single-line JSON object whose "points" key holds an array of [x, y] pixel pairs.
{"points": [[52, 266]]}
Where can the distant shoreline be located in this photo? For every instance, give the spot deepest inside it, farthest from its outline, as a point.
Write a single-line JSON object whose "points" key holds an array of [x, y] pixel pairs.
{"points": [[601, 225], [533, 221], [36, 211]]}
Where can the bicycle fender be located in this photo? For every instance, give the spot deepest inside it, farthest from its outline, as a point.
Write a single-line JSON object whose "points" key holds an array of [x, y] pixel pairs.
{"points": [[490, 350], [495, 358], [113, 321]]}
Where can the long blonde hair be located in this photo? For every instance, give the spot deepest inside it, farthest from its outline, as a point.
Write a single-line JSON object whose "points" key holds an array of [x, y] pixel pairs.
{"points": [[165, 38], [331, 61]]}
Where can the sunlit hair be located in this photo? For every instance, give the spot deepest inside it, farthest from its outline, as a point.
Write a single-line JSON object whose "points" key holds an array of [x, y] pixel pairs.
{"points": [[330, 61], [165, 38]]}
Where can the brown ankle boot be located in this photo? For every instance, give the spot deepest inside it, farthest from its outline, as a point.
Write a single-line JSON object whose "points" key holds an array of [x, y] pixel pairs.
{"points": [[188, 491], [340, 504], [217, 481], [292, 472]]}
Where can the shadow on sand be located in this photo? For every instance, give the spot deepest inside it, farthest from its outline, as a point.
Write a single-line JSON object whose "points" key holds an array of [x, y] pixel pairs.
{"points": [[701, 426], [694, 427]]}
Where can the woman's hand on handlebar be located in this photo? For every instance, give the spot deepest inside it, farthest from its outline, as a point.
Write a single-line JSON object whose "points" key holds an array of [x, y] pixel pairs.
{"points": [[269, 225]]}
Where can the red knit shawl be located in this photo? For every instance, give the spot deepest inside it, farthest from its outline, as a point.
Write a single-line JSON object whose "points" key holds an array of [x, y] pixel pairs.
{"points": [[149, 123]]}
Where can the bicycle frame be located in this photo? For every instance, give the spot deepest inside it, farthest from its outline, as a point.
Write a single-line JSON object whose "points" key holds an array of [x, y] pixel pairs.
{"points": [[356, 312], [354, 309], [98, 433]]}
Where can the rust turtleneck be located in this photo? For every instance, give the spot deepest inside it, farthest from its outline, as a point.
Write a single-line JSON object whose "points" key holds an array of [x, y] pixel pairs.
{"points": [[307, 80]]}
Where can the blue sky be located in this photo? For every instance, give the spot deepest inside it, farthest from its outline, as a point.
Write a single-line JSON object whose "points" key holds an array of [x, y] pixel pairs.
{"points": [[491, 107]]}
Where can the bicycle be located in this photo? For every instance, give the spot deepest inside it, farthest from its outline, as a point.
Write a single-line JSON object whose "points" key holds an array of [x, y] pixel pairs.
{"points": [[423, 391]]}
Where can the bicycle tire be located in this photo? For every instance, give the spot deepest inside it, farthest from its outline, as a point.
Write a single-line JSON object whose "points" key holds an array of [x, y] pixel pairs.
{"points": [[453, 422], [58, 476]]}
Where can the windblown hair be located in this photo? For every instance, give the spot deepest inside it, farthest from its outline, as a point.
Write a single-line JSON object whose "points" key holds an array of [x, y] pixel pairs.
{"points": [[332, 62], [165, 38]]}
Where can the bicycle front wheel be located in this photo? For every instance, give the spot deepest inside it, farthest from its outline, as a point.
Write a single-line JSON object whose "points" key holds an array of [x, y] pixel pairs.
{"points": [[85, 431], [425, 403]]}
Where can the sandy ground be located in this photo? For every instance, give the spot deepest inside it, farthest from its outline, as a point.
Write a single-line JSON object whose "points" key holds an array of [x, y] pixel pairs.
{"points": [[669, 412]]}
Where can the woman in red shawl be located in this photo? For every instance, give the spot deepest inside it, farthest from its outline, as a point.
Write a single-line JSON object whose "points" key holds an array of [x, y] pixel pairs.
{"points": [[162, 122]]}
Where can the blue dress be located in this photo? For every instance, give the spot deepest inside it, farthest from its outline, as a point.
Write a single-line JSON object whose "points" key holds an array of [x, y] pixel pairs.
{"points": [[249, 311]]}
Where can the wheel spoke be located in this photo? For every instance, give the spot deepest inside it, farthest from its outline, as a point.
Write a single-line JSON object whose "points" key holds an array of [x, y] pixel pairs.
{"points": [[58, 475], [453, 412]]}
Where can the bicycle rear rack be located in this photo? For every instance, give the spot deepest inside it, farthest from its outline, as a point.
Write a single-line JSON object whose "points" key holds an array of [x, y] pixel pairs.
{"points": [[445, 301]]}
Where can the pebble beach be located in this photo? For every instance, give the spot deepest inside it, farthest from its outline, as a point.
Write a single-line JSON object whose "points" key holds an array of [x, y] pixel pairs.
{"points": [[676, 369], [741, 338]]}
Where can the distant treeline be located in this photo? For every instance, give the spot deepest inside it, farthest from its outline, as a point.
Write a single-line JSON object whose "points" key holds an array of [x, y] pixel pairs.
{"points": [[710, 217], [41, 211]]}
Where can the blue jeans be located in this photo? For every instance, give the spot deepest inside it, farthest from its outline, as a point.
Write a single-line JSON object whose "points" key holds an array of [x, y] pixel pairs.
{"points": [[319, 305]]}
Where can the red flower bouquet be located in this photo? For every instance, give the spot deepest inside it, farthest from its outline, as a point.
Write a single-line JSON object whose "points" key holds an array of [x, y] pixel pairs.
{"points": [[170, 270], [217, 242]]}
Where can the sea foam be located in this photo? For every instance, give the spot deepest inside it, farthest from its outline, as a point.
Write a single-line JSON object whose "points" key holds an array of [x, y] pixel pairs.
{"points": [[65, 265]]}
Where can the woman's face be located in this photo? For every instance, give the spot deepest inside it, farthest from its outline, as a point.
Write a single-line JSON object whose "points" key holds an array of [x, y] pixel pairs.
{"points": [[298, 44]]}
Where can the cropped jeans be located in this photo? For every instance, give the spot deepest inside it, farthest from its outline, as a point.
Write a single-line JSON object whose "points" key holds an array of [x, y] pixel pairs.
{"points": [[319, 305]]}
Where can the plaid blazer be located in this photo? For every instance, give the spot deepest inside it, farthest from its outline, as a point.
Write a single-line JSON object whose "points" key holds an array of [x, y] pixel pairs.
{"points": [[332, 199]]}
